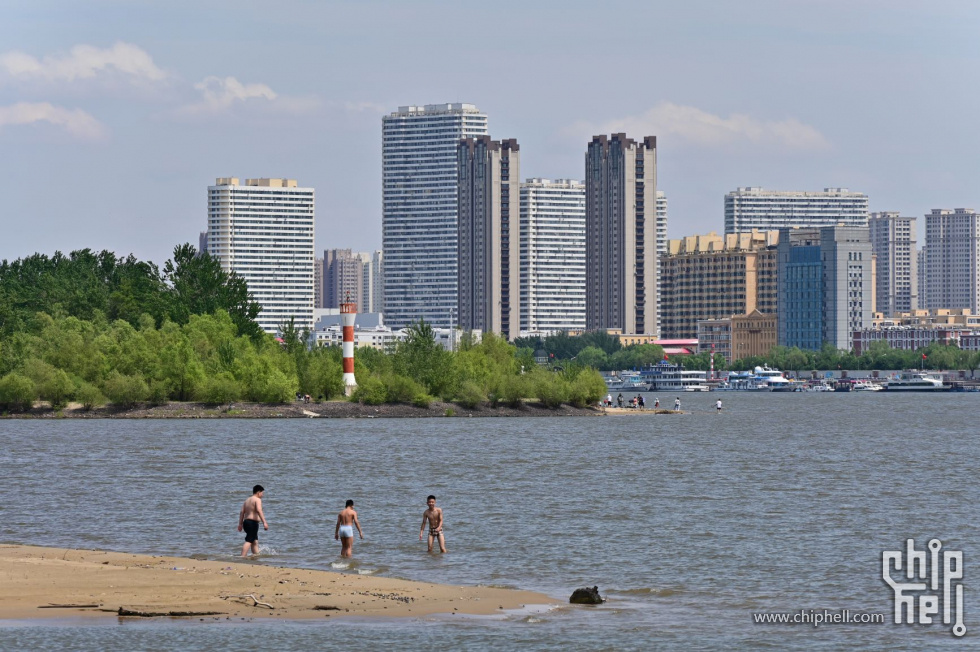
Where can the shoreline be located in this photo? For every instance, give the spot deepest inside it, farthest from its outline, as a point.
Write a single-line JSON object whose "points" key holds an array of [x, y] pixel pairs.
{"points": [[56, 583], [295, 410]]}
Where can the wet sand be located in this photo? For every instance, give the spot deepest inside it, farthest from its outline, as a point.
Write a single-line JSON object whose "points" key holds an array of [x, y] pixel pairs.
{"points": [[66, 583]]}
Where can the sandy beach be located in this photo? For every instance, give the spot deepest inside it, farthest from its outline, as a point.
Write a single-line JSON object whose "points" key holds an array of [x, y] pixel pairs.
{"points": [[67, 583]]}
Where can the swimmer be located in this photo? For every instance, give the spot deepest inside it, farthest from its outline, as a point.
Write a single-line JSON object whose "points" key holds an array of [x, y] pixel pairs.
{"points": [[433, 515], [248, 520], [346, 520]]}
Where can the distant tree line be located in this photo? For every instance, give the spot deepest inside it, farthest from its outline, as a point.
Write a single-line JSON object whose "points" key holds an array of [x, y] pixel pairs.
{"points": [[878, 356], [604, 352]]}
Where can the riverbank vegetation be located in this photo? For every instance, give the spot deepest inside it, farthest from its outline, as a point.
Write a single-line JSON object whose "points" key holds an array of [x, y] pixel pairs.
{"points": [[71, 331]]}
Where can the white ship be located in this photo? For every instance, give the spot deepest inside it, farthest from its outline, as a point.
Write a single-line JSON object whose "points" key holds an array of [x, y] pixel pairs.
{"points": [[867, 386], [666, 377], [916, 381], [774, 379]]}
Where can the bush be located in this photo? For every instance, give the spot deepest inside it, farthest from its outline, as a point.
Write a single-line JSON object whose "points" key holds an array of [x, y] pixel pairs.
{"points": [[219, 389], [422, 400], [514, 390], [274, 387], [17, 392], [470, 395], [372, 391], [57, 388], [551, 389], [587, 389], [125, 390], [159, 392], [89, 396], [403, 390]]}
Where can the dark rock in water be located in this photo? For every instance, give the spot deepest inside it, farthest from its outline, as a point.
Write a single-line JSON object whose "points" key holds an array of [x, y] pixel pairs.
{"points": [[586, 596]]}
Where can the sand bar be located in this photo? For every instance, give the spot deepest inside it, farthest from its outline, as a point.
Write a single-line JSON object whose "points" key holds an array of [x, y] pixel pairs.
{"points": [[90, 583]]}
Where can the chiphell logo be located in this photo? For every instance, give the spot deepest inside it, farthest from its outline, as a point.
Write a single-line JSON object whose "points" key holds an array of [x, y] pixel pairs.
{"points": [[930, 582]]}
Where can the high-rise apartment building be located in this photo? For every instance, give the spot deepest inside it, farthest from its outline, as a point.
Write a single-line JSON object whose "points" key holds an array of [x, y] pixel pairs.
{"points": [[319, 300], [371, 290], [922, 258], [953, 259], [893, 239], [661, 246], [621, 234], [552, 252], [344, 274], [824, 286], [714, 277], [263, 231], [757, 208], [419, 220], [489, 230]]}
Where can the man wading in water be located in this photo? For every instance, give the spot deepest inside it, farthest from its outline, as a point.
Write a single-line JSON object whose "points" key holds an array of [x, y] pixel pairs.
{"points": [[433, 516], [248, 520], [346, 520]]}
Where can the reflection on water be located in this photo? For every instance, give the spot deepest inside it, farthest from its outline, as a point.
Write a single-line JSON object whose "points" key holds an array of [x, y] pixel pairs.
{"points": [[687, 523]]}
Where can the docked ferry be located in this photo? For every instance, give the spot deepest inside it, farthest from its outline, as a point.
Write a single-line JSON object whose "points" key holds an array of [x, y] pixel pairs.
{"points": [[668, 377], [916, 381], [774, 379]]}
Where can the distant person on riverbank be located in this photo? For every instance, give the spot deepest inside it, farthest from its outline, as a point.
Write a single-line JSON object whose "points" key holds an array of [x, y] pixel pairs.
{"points": [[433, 516], [656, 403], [608, 400], [641, 400], [718, 405], [249, 518], [677, 404], [346, 520], [619, 400]]}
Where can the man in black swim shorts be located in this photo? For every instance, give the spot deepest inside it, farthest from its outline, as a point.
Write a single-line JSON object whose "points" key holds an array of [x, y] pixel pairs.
{"points": [[248, 520]]}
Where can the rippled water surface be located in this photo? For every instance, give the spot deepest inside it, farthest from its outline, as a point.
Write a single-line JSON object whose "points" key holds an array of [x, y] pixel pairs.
{"points": [[688, 524]]}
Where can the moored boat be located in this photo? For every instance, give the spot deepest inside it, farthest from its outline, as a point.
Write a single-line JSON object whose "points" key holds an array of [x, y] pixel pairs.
{"points": [[916, 381]]}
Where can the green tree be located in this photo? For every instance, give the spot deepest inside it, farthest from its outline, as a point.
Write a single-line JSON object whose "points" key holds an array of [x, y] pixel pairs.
{"points": [[17, 392], [200, 286]]}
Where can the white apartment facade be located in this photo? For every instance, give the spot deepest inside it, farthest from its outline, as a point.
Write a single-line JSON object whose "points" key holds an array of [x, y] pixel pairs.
{"points": [[953, 259], [420, 211], [757, 208], [552, 255], [262, 231], [893, 242]]}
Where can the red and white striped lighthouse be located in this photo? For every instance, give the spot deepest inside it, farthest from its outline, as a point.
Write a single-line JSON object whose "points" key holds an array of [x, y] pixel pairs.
{"points": [[348, 312]]}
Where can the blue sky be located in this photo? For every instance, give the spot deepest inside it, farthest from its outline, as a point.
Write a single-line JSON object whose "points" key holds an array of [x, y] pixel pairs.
{"points": [[115, 116]]}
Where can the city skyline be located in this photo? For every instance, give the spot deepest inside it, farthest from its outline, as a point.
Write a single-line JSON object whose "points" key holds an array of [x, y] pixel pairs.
{"points": [[99, 110]]}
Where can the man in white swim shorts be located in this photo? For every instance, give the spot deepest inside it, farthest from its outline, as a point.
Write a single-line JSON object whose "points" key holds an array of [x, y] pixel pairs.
{"points": [[346, 521]]}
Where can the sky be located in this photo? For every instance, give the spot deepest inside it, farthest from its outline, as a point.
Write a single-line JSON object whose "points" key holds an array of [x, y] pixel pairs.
{"points": [[116, 115]]}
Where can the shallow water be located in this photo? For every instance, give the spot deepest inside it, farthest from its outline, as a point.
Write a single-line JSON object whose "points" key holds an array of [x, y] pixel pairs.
{"points": [[688, 524]]}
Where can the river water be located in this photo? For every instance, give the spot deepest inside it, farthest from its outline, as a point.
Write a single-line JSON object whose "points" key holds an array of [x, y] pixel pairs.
{"points": [[688, 523]]}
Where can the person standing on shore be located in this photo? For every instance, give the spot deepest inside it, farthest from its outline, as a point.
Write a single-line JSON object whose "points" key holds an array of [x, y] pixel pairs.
{"points": [[677, 404], [249, 518], [346, 520], [718, 405], [433, 515]]}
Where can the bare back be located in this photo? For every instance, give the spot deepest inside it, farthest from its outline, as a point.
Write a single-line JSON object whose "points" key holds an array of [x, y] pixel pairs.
{"points": [[252, 509], [347, 516]]}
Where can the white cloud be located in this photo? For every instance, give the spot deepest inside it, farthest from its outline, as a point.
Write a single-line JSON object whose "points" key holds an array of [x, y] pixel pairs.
{"points": [[75, 121], [83, 62], [219, 94], [703, 128]]}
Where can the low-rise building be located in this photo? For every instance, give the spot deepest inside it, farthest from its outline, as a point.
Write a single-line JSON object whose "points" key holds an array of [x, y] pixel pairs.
{"points": [[909, 338], [738, 336]]}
